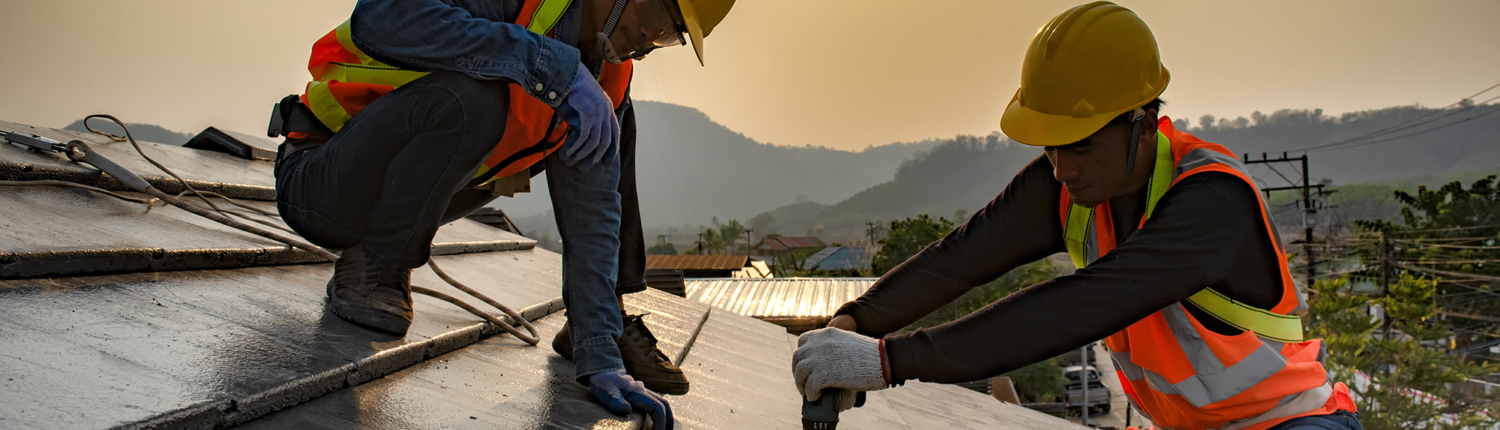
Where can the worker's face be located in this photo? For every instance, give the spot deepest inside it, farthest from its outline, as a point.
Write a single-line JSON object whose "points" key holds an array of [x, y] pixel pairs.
{"points": [[645, 25], [1093, 169]]}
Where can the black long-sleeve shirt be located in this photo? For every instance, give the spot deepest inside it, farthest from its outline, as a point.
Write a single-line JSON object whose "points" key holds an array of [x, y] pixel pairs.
{"points": [[1207, 231]]}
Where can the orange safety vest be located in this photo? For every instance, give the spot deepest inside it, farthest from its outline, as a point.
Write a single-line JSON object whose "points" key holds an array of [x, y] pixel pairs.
{"points": [[345, 80], [1182, 375]]}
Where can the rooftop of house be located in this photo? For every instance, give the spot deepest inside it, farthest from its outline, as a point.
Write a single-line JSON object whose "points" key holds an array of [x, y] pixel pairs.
{"points": [[120, 315], [786, 243], [697, 262]]}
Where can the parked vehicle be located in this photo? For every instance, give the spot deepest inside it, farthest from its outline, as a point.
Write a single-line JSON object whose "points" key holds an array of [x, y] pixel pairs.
{"points": [[1098, 395]]}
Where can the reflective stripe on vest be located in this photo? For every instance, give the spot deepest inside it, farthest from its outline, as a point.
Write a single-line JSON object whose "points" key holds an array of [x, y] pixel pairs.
{"points": [[345, 80], [1174, 369], [1082, 244]]}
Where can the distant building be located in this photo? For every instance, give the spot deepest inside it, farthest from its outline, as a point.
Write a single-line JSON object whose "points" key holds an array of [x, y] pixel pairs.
{"points": [[711, 266], [778, 245], [838, 258]]}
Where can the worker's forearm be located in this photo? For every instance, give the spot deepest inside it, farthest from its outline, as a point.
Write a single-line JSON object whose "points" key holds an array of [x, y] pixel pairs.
{"points": [[432, 35], [1192, 242], [1019, 226]]}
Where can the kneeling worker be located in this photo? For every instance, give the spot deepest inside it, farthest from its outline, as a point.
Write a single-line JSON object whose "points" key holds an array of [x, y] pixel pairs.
{"points": [[1180, 269], [417, 106]]}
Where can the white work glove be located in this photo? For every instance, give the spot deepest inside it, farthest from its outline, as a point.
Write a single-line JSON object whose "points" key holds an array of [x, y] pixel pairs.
{"points": [[831, 357]]}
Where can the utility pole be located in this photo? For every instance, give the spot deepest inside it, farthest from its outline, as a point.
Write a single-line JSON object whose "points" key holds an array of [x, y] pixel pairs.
{"points": [[1309, 213], [1385, 284], [749, 232], [1083, 375]]}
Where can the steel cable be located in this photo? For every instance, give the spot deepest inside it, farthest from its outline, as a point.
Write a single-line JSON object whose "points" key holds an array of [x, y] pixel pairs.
{"points": [[78, 151]]}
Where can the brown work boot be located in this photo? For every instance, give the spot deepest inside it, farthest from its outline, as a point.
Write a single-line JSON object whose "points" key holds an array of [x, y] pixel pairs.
{"points": [[369, 295], [643, 360]]}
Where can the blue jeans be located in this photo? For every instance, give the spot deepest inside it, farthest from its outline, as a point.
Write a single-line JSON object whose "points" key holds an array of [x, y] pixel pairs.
{"points": [[1339, 420], [402, 167]]}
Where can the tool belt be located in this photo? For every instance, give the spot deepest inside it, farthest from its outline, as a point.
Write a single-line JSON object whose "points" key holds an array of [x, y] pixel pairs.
{"points": [[291, 116]]}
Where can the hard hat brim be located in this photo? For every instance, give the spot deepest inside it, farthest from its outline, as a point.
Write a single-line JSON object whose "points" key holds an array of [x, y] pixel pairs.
{"points": [[1035, 128], [1028, 126], [694, 27]]}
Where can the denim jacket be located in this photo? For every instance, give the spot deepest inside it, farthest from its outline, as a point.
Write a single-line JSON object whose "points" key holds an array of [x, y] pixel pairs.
{"points": [[477, 38], [473, 37]]}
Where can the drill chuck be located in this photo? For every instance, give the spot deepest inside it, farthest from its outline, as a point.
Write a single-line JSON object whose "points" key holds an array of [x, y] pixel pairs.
{"points": [[823, 414]]}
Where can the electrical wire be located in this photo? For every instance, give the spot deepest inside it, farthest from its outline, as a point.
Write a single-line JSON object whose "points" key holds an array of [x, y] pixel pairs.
{"points": [[1404, 125], [1415, 133], [78, 151], [137, 146]]}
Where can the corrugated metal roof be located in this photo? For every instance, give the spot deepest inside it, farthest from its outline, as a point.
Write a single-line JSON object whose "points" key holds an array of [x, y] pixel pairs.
{"points": [[785, 243], [696, 262], [778, 297], [837, 259]]}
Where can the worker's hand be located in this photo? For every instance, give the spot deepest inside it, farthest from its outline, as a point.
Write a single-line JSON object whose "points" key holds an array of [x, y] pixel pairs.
{"points": [[844, 322], [831, 357], [620, 394], [596, 132]]}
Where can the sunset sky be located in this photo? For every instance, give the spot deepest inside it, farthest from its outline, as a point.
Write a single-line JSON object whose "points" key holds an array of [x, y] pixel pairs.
{"points": [[840, 73]]}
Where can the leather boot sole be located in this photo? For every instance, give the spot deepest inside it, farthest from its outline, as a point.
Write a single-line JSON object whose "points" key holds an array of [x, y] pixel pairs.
{"points": [[368, 315]]}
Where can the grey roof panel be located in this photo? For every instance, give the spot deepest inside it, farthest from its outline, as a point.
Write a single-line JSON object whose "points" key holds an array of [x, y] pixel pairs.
{"points": [[258, 336], [192, 164], [53, 231]]}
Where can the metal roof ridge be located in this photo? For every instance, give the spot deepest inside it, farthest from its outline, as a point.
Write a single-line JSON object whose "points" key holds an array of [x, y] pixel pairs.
{"points": [[44, 264]]}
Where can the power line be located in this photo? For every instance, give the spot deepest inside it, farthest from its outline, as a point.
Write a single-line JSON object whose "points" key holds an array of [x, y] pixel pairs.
{"points": [[1408, 123], [1418, 132]]}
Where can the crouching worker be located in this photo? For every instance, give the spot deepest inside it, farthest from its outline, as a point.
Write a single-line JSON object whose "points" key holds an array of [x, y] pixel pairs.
{"points": [[1180, 269], [416, 106]]}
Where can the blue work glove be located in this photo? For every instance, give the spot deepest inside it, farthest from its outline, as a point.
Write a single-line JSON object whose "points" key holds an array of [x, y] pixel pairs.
{"points": [[589, 111], [620, 394]]}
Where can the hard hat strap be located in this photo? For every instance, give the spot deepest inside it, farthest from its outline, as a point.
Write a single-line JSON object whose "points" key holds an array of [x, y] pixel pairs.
{"points": [[602, 39], [1135, 140]]}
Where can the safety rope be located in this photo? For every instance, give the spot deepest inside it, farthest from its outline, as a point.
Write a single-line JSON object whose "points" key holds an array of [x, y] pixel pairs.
{"points": [[79, 152]]}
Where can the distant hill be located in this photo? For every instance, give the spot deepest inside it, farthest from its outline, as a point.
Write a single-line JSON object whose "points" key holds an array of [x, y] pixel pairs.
{"points": [[692, 169], [141, 132], [966, 172]]}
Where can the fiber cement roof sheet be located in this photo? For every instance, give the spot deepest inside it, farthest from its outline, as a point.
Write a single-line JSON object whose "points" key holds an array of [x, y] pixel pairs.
{"points": [[95, 352], [739, 368], [191, 164]]}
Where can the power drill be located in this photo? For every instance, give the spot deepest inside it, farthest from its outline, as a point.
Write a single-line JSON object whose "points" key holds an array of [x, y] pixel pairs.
{"points": [[823, 414]]}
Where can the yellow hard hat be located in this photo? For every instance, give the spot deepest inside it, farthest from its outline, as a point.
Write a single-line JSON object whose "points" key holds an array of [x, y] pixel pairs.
{"points": [[701, 16], [1084, 68]]}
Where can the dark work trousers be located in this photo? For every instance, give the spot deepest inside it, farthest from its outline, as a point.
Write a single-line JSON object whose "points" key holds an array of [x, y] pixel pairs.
{"points": [[400, 169]]}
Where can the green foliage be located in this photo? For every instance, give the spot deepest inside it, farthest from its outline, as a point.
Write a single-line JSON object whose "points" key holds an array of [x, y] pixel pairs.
{"points": [[1039, 382], [906, 238], [733, 235], [662, 249], [1405, 368]]}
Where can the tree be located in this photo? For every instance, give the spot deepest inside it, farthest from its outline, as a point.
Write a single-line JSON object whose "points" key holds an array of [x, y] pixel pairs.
{"points": [[662, 249], [906, 237], [764, 224], [1206, 123], [732, 232], [710, 242], [1404, 381]]}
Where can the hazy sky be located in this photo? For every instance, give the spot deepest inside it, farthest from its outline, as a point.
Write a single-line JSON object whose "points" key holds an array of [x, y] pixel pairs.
{"points": [[838, 73]]}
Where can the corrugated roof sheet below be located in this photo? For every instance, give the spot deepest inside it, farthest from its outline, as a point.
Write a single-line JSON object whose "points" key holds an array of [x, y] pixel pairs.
{"points": [[778, 298], [696, 262]]}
